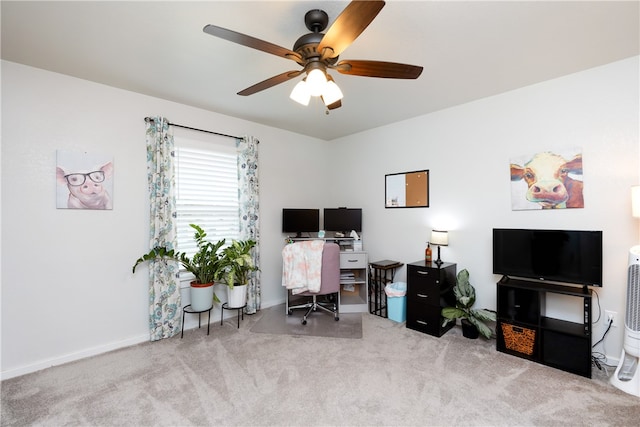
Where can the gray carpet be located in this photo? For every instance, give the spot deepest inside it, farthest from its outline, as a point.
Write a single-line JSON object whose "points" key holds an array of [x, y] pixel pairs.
{"points": [[320, 324], [391, 377]]}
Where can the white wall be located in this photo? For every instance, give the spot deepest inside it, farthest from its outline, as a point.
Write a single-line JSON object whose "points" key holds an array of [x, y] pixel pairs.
{"points": [[57, 306], [467, 150], [67, 286]]}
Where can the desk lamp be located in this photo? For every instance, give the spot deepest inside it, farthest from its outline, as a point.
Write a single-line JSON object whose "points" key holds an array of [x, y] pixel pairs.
{"points": [[439, 238]]}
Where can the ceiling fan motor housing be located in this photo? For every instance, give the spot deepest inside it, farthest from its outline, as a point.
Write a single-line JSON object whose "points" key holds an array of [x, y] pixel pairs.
{"points": [[316, 20], [309, 39]]}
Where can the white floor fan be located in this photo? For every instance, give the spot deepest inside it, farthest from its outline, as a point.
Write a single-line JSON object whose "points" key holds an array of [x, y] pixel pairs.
{"points": [[627, 374]]}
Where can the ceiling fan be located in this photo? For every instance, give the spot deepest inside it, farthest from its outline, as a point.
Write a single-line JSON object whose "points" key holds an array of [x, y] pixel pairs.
{"points": [[317, 52]]}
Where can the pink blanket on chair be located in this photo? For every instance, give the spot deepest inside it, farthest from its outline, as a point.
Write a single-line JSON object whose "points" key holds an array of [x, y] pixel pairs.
{"points": [[302, 266]]}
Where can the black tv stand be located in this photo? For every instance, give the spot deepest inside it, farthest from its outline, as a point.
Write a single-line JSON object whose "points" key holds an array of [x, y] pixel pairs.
{"points": [[524, 330]]}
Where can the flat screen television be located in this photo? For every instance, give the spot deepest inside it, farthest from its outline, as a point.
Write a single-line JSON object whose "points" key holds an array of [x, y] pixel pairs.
{"points": [[300, 221], [343, 219], [567, 256]]}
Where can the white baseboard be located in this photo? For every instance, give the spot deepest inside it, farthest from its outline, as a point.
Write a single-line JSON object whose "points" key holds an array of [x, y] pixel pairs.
{"points": [[612, 361], [269, 304], [94, 351], [71, 357]]}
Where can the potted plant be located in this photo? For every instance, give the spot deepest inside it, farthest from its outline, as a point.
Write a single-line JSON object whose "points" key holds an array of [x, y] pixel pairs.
{"points": [[236, 266], [475, 319], [204, 265]]}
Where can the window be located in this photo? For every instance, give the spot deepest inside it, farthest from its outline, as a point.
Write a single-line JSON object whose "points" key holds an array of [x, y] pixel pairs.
{"points": [[206, 188]]}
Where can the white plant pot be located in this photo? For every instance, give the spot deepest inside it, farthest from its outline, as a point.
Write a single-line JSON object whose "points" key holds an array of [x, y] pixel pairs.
{"points": [[201, 296], [236, 297]]}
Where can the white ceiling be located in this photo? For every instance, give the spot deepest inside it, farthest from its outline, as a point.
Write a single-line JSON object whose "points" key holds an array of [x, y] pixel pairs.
{"points": [[469, 50]]}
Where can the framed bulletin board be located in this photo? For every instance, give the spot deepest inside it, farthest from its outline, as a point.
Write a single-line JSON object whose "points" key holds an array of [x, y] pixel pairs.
{"points": [[407, 189]]}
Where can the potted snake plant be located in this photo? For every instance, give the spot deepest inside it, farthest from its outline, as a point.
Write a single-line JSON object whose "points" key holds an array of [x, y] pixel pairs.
{"points": [[205, 266], [473, 320], [236, 266]]}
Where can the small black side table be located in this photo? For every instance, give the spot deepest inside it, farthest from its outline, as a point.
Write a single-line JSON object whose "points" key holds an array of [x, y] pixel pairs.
{"points": [[225, 306], [188, 309], [380, 274]]}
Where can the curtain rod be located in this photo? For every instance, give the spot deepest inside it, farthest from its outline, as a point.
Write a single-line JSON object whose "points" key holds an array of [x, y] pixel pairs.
{"points": [[149, 119]]}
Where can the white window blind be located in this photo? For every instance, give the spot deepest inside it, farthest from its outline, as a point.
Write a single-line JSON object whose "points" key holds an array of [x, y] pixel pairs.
{"points": [[207, 189]]}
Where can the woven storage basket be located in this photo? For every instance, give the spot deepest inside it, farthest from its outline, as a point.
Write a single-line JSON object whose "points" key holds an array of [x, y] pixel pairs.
{"points": [[518, 338]]}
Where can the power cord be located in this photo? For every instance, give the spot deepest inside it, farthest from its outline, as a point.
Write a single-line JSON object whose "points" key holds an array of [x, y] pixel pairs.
{"points": [[605, 334], [598, 358]]}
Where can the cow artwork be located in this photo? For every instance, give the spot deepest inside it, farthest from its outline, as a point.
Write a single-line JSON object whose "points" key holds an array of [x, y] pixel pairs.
{"points": [[84, 181], [547, 181]]}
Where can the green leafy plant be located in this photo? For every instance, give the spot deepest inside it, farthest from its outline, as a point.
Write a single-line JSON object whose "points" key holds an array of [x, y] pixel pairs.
{"points": [[465, 295], [237, 263], [205, 264]]}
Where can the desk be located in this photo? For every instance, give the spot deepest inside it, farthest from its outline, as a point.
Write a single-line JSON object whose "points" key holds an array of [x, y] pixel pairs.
{"points": [[188, 309], [225, 306], [380, 273]]}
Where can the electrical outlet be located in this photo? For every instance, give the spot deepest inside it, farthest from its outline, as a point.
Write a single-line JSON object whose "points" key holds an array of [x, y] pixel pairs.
{"points": [[611, 316]]}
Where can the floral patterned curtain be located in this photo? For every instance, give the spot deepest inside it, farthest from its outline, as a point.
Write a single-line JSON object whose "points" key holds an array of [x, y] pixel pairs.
{"points": [[247, 148], [164, 292]]}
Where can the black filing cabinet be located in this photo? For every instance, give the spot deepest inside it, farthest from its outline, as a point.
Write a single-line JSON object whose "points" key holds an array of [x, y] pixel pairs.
{"points": [[429, 289]]}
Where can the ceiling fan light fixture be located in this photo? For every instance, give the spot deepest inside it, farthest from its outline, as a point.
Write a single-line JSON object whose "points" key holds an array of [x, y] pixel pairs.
{"points": [[316, 82], [300, 93], [332, 93]]}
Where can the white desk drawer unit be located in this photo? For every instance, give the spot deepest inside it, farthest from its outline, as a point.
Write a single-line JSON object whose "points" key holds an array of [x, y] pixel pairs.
{"points": [[354, 280], [353, 260]]}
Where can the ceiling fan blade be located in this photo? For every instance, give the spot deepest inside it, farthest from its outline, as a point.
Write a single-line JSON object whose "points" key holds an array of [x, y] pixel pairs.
{"points": [[335, 105], [252, 42], [388, 70], [270, 82], [348, 26]]}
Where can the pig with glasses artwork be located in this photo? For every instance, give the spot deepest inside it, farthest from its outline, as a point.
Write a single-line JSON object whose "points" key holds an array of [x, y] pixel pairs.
{"points": [[86, 181]]}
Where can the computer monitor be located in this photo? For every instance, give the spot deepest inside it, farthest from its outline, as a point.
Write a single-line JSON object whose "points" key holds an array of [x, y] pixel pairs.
{"points": [[300, 221], [343, 219]]}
